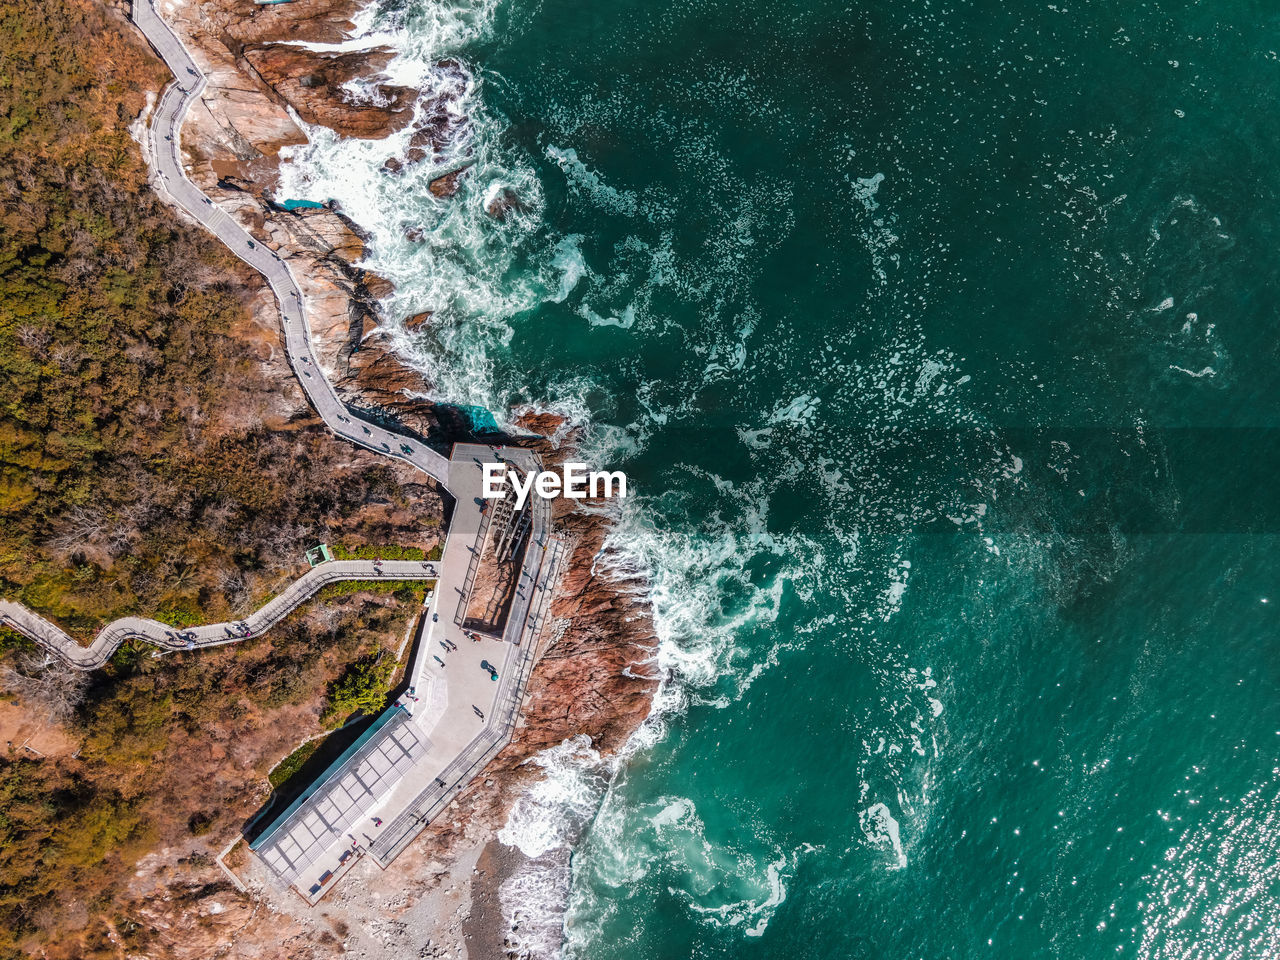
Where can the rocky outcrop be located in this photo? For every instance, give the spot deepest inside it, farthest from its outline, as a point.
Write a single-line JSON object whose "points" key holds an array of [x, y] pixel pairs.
{"points": [[443, 120], [191, 920], [446, 186], [595, 674], [598, 677], [503, 203], [381, 379], [301, 21], [342, 91], [256, 56]]}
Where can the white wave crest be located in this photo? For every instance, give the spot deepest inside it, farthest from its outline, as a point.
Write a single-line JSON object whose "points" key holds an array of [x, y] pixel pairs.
{"points": [[452, 256], [551, 812], [882, 830], [723, 883], [533, 902]]}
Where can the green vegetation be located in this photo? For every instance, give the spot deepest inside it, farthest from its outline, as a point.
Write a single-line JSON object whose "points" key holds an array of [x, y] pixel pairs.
{"points": [[136, 473], [341, 552], [48, 859], [406, 591], [183, 612], [362, 688], [145, 775], [11, 640], [135, 656], [143, 470], [291, 764]]}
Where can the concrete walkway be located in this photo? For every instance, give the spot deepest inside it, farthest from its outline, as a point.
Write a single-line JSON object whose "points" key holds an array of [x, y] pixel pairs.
{"points": [[58, 642], [464, 695], [163, 148]]}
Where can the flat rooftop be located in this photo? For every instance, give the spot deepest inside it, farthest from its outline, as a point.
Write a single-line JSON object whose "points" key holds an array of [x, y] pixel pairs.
{"points": [[331, 812]]}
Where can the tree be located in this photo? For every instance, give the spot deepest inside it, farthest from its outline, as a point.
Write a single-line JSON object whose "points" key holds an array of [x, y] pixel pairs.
{"points": [[363, 687]]}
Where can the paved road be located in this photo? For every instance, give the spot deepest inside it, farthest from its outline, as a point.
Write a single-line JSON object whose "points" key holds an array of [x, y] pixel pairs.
{"points": [[56, 641]]}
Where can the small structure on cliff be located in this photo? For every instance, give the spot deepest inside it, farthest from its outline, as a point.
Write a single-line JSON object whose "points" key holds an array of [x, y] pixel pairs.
{"points": [[493, 582]]}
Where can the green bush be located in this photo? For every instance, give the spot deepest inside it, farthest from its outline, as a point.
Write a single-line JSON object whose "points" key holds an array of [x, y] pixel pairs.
{"points": [[362, 688], [342, 552], [406, 591], [182, 612], [200, 823]]}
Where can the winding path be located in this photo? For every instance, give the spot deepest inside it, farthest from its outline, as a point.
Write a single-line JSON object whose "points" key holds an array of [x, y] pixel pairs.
{"points": [[162, 147], [449, 723], [163, 143], [108, 640]]}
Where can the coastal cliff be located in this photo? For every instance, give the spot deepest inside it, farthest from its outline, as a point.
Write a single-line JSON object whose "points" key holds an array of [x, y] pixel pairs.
{"points": [[258, 81], [591, 677]]}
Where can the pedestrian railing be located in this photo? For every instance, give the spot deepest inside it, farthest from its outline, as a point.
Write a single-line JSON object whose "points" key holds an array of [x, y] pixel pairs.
{"points": [[436, 796], [104, 645]]}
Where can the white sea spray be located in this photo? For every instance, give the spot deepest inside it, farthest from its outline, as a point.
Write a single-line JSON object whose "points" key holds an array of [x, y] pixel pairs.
{"points": [[446, 256], [548, 814], [882, 830], [716, 574]]}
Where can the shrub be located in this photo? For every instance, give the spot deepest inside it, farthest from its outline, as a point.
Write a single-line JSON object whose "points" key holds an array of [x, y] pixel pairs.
{"points": [[200, 823], [291, 764], [362, 688], [342, 552]]}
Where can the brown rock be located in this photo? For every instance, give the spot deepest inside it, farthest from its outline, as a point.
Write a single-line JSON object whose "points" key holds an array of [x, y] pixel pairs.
{"points": [[418, 320], [447, 185], [377, 376], [312, 84], [368, 325], [323, 232], [502, 203], [376, 286], [309, 21]]}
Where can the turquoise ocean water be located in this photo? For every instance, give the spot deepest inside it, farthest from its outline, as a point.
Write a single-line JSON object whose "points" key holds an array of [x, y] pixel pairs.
{"points": [[939, 343]]}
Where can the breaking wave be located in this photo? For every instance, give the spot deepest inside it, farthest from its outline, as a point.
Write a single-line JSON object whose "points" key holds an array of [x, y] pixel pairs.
{"points": [[551, 812], [723, 571], [462, 258]]}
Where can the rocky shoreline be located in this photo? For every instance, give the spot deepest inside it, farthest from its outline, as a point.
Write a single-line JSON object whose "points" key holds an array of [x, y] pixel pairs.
{"points": [[590, 677]]}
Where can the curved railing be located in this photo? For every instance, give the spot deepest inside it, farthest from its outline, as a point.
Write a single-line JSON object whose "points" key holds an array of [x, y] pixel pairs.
{"points": [[166, 637]]}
